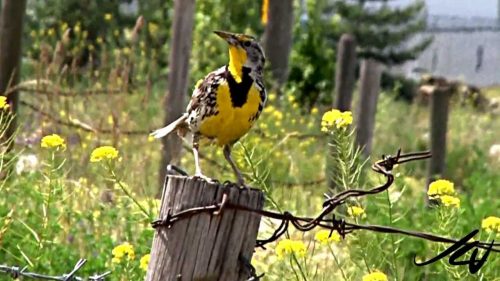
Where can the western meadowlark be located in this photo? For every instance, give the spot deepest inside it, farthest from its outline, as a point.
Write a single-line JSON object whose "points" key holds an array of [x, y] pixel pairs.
{"points": [[227, 102]]}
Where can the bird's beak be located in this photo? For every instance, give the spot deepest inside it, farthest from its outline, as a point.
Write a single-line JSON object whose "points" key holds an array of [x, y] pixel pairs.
{"points": [[229, 37]]}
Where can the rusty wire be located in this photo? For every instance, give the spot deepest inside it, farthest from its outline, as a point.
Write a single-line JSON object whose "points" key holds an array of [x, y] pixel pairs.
{"points": [[15, 272], [326, 218]]}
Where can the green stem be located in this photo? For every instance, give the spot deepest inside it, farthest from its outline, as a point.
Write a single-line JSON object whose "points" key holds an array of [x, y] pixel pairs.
{"points": [[300, 267], [127, 193], [337, 262], [392, 236], [293, 269]]}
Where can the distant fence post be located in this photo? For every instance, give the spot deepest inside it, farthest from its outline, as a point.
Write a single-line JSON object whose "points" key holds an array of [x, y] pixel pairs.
{"points": [[439, 125], [178, 79], [204, 246], [371, 74], [345, 76]]}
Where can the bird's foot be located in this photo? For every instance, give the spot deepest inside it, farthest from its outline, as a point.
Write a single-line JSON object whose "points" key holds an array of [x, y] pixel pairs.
{"points": [[239, 184], [205, 178]]}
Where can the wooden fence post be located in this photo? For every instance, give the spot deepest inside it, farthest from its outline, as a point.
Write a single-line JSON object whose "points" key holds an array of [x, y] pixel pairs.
{"points": [[204, 247], [345, 76], [278, 38], [178, 78], [439, 125], [371, 74]]}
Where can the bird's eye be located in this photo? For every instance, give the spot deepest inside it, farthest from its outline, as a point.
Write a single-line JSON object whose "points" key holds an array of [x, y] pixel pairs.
{"points": [[246, 43]]}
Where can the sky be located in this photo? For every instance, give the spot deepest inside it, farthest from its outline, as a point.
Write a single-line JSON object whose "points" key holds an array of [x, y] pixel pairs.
{"points": [[465, 8]]}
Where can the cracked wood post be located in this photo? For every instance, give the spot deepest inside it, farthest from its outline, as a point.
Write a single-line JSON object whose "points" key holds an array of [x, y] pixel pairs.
{"points": [[204, 247]]}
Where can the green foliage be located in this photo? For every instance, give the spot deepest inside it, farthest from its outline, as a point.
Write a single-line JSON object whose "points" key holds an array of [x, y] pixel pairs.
{"points": [[402, 87], [382, 32], [312, 58]]}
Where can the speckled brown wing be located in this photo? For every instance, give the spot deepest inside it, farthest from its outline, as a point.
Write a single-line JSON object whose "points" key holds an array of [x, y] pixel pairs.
{"points": [[204, 99]]}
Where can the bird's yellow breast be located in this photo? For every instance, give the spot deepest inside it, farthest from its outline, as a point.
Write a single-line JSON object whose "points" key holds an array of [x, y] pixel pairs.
{"points": [[230, 123]]}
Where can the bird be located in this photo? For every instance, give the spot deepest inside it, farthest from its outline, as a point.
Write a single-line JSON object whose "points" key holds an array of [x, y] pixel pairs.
{"points": [[226, 103]]}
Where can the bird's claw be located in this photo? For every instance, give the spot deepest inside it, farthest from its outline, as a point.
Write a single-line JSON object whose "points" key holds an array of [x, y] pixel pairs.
{"points": [[205, 178]]}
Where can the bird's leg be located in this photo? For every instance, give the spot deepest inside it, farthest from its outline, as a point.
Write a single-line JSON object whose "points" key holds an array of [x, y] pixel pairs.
{"points": [[227, 154], [196, 145]]}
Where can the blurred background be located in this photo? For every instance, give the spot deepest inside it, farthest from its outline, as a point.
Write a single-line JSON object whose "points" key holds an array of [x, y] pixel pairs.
{"points": [[416, 75]]}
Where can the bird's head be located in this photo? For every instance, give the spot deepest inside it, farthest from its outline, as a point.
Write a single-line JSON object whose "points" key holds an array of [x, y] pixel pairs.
{"points": [[244, 51]]}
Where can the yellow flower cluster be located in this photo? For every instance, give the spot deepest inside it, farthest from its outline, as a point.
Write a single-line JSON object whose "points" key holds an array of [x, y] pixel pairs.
{"points": [[375, 276], [441, 187], [121, 251], [335, 118], [286, 247], [491, 224], [103, 153], [356, 212], [108, 17], [3, 102], [145, 262], [53, 141], [450, 201], [444, 191], [324, 237]]}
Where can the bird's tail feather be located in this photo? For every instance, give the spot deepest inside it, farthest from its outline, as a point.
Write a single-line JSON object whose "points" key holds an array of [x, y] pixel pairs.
{"points": [[160, 133]]}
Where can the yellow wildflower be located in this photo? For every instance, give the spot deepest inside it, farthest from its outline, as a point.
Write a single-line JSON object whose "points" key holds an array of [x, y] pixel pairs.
{"points": [[375, 276], [287, 246], [108, 17], [441, 187], [121, 251], [269, 109], [265, 8], [335, 118], [150, 138], [3, 102], [278, 115], [491, 224], [356, 212], [64, 26], [314, 110], [324, 237], [145, 262], [77, 29], [153, 28], [450, 201], [53, 141], [103, 152]]}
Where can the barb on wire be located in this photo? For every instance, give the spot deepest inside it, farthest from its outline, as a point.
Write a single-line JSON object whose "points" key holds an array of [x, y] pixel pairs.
{"points": [[326, 218], [16, 272]]}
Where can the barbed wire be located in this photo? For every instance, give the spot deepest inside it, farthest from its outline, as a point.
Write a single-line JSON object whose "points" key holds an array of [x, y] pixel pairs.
{"points": [[326, 218], [16, 272]]}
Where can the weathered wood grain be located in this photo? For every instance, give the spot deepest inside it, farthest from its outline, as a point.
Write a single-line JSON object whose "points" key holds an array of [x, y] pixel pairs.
{"points": [[204, 247]]}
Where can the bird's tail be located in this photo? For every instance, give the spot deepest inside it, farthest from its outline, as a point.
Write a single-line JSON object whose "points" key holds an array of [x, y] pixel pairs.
{"points": [[165, 131]]}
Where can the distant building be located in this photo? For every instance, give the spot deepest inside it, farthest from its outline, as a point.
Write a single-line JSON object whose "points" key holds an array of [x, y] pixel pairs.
{"points": [[465, 49]]}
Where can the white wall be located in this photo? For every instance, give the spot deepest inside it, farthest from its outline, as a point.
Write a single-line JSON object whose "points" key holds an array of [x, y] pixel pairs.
{"points": [[455, 57]]}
